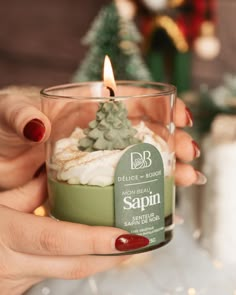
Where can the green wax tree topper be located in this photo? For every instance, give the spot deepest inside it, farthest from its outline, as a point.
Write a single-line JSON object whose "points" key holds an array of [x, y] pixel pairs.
{"points": [[111, 130]]}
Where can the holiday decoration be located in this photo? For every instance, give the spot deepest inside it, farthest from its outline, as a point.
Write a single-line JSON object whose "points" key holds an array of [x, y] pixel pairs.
{"points": [[207, 45], [126, 8], [116, 36], [156, 5], [170, 29]]}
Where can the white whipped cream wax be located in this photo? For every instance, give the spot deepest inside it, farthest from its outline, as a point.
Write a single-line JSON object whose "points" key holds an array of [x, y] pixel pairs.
{"points": [[98, 168]]}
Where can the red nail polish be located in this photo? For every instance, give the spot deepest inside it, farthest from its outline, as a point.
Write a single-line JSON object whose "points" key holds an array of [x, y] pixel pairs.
{"points": [[189, 117], [196, 149], [130, 242], [34, 130]]}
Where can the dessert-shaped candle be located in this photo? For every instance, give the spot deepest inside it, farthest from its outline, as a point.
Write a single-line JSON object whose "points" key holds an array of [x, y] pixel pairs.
{"points": [[114, 173]]}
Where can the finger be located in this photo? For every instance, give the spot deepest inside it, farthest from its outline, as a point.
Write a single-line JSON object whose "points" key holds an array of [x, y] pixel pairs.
{"points": [[183, 116], [73, 267], [44, 236], [26, 198], [186, 175], [28, 161], [160, 110], [186, 148], [23, 116]]}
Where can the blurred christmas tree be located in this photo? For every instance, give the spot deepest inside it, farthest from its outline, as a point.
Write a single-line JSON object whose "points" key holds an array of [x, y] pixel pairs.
{"points": [[113, 35]]}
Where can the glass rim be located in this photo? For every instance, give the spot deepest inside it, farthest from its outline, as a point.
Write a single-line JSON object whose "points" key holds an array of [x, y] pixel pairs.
{"points": [[169, 89]]}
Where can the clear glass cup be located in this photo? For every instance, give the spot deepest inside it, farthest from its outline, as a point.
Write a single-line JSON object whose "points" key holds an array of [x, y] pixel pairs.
{"points": [[110, 160]]}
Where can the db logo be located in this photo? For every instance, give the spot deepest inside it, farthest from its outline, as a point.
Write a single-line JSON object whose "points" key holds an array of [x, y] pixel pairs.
{"points": [[140, 161]]}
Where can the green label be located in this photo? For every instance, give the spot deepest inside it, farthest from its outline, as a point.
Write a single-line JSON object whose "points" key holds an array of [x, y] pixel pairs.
{"points": [[139, 193]]}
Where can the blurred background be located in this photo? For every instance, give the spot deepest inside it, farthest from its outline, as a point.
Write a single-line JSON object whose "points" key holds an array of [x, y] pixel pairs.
{"points": [[190, 43], [40, 42]]}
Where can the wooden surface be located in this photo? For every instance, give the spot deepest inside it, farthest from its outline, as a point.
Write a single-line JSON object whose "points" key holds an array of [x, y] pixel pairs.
{"points": [[40, 41], [181, 268]]}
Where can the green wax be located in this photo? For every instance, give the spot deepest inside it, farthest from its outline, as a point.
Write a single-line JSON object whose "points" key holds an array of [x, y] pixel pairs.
{"points": [[92, 205]]}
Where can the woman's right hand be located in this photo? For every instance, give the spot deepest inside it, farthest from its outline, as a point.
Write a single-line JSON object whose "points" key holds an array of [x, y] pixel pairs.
{"points": [[34, 248]]}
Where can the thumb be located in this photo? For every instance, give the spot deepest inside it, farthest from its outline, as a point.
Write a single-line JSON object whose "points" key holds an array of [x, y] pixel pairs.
{"points": [[23, 116], [26, 198]]}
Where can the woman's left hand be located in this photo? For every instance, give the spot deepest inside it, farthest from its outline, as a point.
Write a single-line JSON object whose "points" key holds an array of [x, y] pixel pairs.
{"points": [[23, 131]]}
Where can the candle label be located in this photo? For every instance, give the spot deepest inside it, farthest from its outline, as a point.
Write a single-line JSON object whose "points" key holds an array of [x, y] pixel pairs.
{"points": [[139, 193]]}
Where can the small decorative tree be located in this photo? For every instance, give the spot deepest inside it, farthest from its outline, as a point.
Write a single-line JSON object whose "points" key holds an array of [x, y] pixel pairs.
{"points": [[111, 130], [112, 35]]}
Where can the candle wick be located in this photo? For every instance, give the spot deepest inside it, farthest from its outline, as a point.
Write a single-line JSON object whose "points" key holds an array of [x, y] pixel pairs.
{"points": [[112, 93]]}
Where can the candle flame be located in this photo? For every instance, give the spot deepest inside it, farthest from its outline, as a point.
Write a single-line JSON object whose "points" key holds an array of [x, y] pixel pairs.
{"points": [[108, 76]]}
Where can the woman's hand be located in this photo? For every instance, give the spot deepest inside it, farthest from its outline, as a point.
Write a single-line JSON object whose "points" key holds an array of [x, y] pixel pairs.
{"points": [[24, 129], [34, 248], [186, 148]]}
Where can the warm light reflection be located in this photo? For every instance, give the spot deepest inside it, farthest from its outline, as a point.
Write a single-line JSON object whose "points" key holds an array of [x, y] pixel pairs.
{"points": [[40, 211], [108, 76]]}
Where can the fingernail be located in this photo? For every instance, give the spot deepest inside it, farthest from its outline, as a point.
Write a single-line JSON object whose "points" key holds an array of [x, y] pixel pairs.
{"points": [[179, 220], [130, 242], [201, 178], [189, 117], [40, 170], [196, 147], [34, 130]]}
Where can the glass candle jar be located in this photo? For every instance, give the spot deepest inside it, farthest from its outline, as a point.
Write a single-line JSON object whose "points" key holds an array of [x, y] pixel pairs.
{"points": [[110, 159]]}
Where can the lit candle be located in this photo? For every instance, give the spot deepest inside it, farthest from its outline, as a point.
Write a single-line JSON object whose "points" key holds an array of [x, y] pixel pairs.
{"points": [[108, 76], [118, 169]]}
